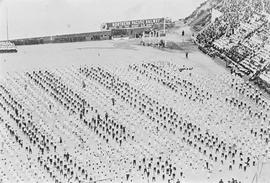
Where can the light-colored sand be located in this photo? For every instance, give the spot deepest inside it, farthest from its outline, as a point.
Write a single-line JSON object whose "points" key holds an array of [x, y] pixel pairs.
{"points": [[100, 52], [214, 115]]}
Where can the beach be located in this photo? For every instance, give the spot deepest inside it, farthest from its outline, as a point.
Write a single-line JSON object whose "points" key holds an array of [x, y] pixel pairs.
{"points": [[130, 63]]}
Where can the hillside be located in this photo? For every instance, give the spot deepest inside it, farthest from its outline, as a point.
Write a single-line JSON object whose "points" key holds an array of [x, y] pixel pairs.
{"points": [[202, 15]]}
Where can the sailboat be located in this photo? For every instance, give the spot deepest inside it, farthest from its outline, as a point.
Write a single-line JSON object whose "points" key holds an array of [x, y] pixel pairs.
{"points": [[7, 46]]}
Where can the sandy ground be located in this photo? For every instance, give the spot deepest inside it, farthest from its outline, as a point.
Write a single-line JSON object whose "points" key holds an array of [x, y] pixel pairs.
{"points": [[112, 53], [101, 52]]}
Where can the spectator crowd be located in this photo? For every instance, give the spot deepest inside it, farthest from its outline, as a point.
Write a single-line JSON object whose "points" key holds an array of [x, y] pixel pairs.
{"points": [[241, 37]]}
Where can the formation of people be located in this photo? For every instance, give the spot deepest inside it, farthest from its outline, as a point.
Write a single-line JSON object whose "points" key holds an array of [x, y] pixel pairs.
{"points": [[147, 122]]}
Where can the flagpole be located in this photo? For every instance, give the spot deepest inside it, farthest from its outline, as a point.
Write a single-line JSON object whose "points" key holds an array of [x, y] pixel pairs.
{"points": [[164, 25]]}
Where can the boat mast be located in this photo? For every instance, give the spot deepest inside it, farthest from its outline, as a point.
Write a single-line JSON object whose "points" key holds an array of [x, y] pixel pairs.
{"points": [[7, 23]]}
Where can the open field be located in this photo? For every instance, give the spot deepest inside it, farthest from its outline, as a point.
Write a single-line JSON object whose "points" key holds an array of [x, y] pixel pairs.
{"points": [[127, 113]]}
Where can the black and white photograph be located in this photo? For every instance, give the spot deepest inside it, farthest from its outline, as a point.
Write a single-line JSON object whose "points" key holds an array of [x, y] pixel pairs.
{"points": [[134, 91]]}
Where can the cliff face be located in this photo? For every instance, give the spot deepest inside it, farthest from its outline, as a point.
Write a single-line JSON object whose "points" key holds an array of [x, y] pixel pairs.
{"points": [[202, 15]]}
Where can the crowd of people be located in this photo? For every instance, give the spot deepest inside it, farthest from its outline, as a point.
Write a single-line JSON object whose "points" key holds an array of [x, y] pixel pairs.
{"points": [[240, 35], [148, 122]]}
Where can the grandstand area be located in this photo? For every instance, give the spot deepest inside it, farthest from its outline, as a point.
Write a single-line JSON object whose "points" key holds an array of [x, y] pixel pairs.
{"points": [[241, 36]]}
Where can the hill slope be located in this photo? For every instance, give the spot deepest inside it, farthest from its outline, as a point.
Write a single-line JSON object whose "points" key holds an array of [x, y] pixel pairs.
{"points": [[202, 15]]}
